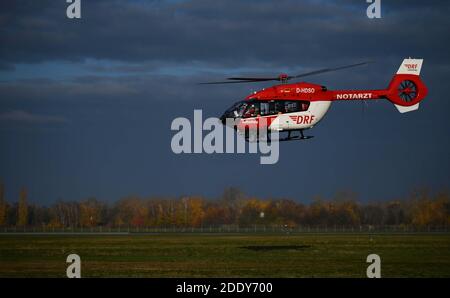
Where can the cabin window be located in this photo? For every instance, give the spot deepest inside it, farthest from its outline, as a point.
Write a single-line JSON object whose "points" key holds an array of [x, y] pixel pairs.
{"points": [[275, 107], [283, 106], [296, 106], [265, 108]]}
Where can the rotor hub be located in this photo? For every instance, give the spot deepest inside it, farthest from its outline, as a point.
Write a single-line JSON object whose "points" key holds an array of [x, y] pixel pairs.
{"points": [[407, 90], [283, 77]]}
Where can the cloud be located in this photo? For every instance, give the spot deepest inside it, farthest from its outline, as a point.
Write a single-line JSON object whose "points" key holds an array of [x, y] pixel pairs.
{"points": [[222, 32], [6, 66], [27, 117]]}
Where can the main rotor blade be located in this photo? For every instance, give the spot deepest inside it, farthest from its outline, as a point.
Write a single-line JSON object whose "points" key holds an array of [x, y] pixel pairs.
{"points": [[324, 70], [233, 82], [237, 80], [255, 79]]}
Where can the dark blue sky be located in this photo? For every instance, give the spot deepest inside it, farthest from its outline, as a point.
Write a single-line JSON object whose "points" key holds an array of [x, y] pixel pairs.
{"points": [[86, 105]]}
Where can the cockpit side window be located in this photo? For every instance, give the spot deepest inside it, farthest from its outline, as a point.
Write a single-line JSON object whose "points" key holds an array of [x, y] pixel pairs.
{"points": [[252, 110], [240, 110]]}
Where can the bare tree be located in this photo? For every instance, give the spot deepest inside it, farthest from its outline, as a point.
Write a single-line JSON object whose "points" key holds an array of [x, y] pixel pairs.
{"points": [[22, 218], [3, 205]]}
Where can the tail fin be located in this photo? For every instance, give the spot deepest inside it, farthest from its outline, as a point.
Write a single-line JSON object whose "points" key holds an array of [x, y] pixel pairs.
{"points": [[410, 66], [406, 89]]}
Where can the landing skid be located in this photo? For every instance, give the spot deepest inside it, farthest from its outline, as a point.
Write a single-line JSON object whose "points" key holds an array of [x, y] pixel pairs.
{"points": [[296, 138], [288, 138]]}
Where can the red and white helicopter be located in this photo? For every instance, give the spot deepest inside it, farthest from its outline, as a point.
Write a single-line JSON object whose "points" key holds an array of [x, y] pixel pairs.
{"points": [[300, 106]]}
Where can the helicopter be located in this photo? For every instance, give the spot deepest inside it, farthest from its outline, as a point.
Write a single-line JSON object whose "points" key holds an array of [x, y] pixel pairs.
{"points": [[301, 106]]}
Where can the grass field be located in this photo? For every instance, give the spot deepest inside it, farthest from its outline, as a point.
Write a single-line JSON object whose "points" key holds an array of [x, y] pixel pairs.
{"points": [[220, 255]]}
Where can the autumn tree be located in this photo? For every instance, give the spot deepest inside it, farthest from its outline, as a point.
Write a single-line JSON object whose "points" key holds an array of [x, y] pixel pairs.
{"points": [[3, 206], [289, 212], [372, 214], [318, 212], [131, 211], [420, 209], [178, 213], [155, 212], [431, 211], [39, 216], [91, 213], [195, 210], [233, 200], [22, 216], [216, 214], [250, 212], [344, 213]]}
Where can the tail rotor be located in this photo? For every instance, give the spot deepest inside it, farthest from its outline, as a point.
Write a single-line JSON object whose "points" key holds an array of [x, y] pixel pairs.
{"points": [[406, 89]]}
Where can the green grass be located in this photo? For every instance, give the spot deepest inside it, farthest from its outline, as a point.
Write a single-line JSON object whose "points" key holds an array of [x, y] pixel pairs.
{"points": [[219, 255]]}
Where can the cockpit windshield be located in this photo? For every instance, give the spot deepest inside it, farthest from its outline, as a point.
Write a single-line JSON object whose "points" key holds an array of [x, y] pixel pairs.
{"points": [[236, 110]]}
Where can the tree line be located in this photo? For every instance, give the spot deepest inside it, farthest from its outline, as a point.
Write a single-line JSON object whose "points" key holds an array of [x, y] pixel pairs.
{"points": [[421, 208]]}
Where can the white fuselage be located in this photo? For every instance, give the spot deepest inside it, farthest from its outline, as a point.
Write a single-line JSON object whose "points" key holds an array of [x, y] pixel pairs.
{"points": [[301, 120]]}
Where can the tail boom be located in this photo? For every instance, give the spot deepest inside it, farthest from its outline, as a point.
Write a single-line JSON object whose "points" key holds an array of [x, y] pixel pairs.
{"points": [[406, 90]]}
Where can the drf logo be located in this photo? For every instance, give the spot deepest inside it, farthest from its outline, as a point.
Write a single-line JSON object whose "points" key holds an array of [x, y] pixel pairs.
{"points": [[302, 119], [411, 67], [374, 9], [74, 269], [74, 9]]}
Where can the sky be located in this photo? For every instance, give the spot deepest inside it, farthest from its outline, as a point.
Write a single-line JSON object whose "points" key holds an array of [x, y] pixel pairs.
{"points": [[86, 104]]}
